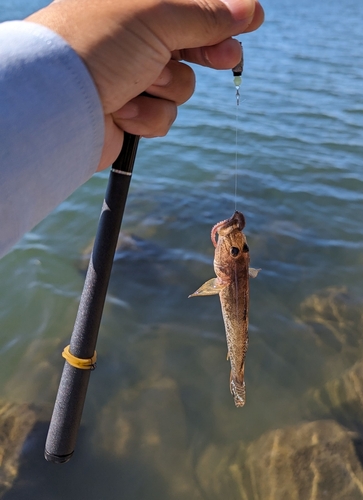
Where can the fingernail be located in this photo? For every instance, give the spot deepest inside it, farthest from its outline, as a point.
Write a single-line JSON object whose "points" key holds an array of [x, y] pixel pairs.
{"points": [[130, 110], [242, 10], [206, 55], [164, 78]]}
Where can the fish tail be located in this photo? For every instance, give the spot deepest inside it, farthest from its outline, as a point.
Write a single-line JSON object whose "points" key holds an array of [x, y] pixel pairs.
{"points": [[238, 390]]}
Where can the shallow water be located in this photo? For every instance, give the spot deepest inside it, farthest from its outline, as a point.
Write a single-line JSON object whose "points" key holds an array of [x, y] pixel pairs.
{"points": [[159, 397]]}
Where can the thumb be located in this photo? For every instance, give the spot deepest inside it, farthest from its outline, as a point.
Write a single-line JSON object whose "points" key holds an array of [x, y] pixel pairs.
{"points": [[182, 24]]}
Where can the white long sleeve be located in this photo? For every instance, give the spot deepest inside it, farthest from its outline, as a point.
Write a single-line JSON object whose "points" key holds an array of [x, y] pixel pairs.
{"points": [[51, 126]]}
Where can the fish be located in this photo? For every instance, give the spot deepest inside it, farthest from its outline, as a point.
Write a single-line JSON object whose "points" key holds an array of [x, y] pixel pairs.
{"points": [[232, 269]]}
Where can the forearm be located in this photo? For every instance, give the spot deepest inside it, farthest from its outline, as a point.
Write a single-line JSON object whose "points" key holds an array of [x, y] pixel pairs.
{"points": [[51, 126]]}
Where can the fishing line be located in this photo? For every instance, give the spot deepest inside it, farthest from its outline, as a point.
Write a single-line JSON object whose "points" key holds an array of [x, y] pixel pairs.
{"points": [[236, 156], [237, 80]]}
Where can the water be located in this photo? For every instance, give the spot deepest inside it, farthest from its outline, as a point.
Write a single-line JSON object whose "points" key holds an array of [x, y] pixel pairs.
{"points": [[159, 400]]}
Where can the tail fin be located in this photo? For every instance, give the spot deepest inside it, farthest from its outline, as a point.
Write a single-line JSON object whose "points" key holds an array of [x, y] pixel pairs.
{"points": [[238, 390]]}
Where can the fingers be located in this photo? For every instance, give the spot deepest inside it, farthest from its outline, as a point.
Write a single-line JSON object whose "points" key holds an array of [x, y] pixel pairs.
{"points": [[150, 117], [114, 137], [224, 55], [176, 83], [146, 116], [258, 18]]}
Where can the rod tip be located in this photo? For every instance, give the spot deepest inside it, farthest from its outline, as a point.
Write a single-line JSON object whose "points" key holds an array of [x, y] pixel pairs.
{"points": [[57, 459]]}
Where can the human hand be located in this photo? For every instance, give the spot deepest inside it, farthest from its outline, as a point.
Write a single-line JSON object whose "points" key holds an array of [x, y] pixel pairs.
{"points": [[135, 46]]}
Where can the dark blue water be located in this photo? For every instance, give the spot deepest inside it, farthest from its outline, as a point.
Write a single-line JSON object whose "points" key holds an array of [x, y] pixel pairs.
{"points": [[159, 397]]}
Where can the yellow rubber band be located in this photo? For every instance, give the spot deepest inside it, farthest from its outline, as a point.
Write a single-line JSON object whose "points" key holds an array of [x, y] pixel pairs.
{"points": [[82, 364]]}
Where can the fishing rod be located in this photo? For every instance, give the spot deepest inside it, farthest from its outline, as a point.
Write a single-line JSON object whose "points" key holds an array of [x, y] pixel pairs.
{"points": [[80, 355]]}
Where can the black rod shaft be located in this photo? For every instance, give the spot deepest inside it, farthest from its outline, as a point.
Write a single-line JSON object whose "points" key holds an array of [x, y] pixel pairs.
{"points": [[68, 407]]}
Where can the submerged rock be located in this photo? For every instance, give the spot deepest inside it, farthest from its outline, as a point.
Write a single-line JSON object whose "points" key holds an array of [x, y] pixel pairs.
{"points": [[340, 398], [312, 460], [17, 421], [37, 377], [309, 461], [151, 280], [336, 318], [145, 426], [219, 473], [126, 243]]}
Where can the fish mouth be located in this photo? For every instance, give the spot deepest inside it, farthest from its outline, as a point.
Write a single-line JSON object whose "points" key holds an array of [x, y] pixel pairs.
{"points": [[225, 227], [237, 221]]}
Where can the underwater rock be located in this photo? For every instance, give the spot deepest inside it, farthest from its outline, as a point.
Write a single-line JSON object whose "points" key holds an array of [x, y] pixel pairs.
{"points": [[340, 398], [136, 260], [309, 461], [219, 473], [335, 316], [17, 422], [312, 460], [125, 243], [37, 376], [335, 319], [145, 426], [135, 251], [151, 279]]}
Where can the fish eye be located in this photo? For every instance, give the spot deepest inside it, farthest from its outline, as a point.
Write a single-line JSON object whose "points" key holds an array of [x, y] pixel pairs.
{"points": [[245, 248], [234, 251]]}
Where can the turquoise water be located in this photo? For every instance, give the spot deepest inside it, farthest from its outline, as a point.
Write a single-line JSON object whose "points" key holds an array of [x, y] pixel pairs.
{"points": [[159, 397]]}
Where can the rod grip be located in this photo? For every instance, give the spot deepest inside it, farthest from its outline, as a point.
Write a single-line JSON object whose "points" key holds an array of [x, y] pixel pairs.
{"points": [[68, 407]]}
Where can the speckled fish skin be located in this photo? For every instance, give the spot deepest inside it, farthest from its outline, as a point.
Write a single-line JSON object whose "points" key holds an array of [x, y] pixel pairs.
{"points": [[231, 265]]}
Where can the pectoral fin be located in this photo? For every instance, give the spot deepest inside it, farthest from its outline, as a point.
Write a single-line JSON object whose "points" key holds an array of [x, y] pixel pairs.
{"points": [[253, 272], [210, 287]]}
